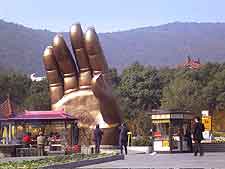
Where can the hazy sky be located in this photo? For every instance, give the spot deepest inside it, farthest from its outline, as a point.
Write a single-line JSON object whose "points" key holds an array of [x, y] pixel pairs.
{"points": [[109, 15]]}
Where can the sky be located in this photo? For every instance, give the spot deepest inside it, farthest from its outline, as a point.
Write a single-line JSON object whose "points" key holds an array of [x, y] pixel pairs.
{"points": [[109, 15]]}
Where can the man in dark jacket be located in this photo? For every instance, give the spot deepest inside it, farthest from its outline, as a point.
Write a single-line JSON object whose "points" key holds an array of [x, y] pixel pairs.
{"points": [[123, 138], [198, 136], [75, 134], [97, 138]]}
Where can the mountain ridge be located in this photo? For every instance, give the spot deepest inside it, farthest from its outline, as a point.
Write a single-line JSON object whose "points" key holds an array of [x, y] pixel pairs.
{"points": [[164, 45]]}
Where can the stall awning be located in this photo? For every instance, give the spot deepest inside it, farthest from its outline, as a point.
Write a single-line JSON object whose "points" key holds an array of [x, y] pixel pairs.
{"points": [[43, 115]]}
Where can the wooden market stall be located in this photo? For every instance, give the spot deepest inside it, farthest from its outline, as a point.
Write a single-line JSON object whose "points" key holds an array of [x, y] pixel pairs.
{"points": [[56, 125]]}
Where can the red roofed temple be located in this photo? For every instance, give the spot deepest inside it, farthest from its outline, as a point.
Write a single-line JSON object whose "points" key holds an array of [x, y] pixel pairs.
{"points": [[191, 63], [57, 127]]}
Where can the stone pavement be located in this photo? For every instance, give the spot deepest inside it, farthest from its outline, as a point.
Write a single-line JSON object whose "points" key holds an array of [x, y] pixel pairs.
{"points": [[187, 160]]}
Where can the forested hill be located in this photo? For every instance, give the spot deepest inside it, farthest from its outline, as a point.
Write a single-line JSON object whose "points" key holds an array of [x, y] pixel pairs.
{"points": [[21, 48]]}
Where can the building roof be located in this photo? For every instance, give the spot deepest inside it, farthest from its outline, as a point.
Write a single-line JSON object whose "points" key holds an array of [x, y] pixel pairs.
{"points": [[43, 115], [162, 111], [191, 63]]}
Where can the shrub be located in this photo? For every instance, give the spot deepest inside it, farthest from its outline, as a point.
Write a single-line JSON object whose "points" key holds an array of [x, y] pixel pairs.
{"points": [[219, 134], [142, 141]]}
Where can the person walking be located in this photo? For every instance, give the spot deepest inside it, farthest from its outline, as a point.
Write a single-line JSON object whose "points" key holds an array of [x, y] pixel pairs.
{"points": [[123, 138], [97, 138], [40, 144], [76, 132], [198, 136]]}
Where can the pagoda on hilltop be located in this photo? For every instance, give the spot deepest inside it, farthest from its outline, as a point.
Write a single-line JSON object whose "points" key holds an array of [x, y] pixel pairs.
{"points": [[191, 63]]}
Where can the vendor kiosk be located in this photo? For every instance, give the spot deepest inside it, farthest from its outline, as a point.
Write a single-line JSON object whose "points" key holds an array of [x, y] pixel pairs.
{"points": [[57, 127], [170, 129]]}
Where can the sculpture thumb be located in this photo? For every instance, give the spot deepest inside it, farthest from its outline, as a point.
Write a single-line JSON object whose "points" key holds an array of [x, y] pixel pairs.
{"points": [[98, 86]]}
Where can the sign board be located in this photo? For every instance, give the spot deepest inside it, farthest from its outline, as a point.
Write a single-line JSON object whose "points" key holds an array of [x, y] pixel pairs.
{"points": [[160, 121], [205, 113], [158, 146], [165, 143], [161, 116], [207, 121], [157, 134], [188, 116], [177, 116]]}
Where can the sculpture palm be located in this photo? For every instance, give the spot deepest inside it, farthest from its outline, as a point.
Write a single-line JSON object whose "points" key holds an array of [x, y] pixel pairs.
{"points": [[82, 86]]}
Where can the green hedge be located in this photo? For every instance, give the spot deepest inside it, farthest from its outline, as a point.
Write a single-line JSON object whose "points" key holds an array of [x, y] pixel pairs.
{"points": [[219, 134]]}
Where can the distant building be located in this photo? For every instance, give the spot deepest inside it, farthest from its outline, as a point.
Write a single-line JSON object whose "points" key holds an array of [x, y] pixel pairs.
{"points": [[33, 77], [190, 63]]}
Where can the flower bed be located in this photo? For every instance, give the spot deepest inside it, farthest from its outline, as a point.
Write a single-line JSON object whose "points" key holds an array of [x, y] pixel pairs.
{"points": [[35, 164], [219, 140]]}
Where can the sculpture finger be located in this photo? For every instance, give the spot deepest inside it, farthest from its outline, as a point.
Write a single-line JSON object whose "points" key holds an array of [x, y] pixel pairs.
{"points": [[98, 86], [95, 54], [109, 108], [66, 64], [53, 75], [77, 42]]}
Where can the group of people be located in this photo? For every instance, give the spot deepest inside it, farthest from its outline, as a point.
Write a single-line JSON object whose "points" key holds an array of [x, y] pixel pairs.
{"points": [[41, 139], [123, 139]]}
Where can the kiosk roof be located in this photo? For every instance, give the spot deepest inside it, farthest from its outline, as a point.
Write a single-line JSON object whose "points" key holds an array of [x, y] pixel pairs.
{"points": [[43, 115]]}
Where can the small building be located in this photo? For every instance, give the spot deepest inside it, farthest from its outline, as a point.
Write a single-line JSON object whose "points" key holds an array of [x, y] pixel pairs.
{"points": [[169, 129], [190, 63], [57, 127]]}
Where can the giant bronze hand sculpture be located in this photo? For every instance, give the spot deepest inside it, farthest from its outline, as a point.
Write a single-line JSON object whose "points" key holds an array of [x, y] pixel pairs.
{"points": [[82, 86]]}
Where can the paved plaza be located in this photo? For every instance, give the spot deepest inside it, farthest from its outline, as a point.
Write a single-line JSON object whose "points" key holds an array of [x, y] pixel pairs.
{"points": [[133, 160], [210, 160]]}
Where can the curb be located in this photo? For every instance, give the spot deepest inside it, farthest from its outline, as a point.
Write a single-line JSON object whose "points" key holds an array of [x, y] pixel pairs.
{"points": [[84, 162]]}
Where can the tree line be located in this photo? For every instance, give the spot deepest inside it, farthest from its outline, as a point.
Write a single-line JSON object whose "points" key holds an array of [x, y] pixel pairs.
{"points": [[139, 89], [24, 94], [143, 88]]}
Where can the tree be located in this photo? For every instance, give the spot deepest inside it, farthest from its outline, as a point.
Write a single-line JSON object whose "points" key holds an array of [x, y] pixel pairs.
{"points": [[24, 93], [140, 125], [16, 85], [115, 79], [38, 98], [196, 90], [140, 89], [182, 94], [214, 92]]}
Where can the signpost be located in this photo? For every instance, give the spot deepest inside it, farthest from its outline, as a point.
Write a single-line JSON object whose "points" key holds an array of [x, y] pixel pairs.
{"points": [[207, 121]]}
